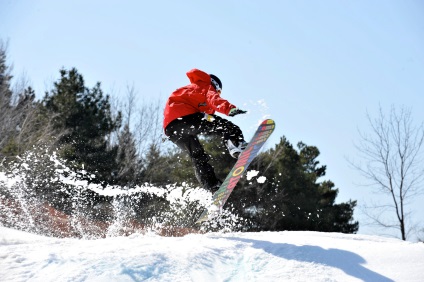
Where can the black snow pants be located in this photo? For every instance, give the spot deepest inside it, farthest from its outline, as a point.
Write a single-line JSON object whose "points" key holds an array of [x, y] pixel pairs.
{"points": [[184, 133]]}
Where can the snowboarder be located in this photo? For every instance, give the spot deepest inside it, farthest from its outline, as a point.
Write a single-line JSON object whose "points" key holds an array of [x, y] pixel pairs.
{"points": [[189, 111]]}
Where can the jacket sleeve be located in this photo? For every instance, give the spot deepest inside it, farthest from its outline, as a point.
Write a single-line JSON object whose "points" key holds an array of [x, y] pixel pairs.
{"points": [[217, 103]]}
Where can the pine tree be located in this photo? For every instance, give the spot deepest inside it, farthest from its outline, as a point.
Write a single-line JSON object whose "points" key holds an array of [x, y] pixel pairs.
{"points": [[157, 168], [83, 122], [6, 111], [292, 198], [5, 77], [128, 162]]}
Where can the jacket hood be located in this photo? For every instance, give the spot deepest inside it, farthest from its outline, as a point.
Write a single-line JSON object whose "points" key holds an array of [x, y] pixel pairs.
{"points": [[196, 76]]}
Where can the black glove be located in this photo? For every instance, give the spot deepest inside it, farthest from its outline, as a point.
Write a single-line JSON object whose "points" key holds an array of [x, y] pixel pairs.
{"points": [[236, 111]]}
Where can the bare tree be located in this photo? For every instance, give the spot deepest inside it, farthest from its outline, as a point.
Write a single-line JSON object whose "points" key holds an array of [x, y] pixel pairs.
{"points": [[393, 165], [421, 236], [145, 120], [22, 127], [140, 132]]}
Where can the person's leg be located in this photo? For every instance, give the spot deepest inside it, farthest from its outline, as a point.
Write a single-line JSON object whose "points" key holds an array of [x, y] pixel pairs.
{"points": [[204, 172], [181, 132], [196, 124], [223, 128], [230, 133]]}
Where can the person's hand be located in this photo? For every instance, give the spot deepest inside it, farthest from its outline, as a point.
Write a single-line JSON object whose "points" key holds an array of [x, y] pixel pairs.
{"points": [[236, 111]]}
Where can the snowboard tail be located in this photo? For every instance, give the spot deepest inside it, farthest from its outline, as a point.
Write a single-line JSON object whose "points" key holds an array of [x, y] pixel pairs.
{"points": [[220, 197]]}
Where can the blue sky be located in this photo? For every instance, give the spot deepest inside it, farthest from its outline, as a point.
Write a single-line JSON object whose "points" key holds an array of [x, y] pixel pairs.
{"points": [[315, 67]]}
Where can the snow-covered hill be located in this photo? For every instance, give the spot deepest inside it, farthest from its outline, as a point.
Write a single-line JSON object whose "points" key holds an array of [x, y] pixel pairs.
{"points": [[83, 248], [265, 256]]}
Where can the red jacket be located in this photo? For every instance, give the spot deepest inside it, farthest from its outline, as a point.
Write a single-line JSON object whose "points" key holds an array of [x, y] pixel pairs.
{"points": [[199, 96]]}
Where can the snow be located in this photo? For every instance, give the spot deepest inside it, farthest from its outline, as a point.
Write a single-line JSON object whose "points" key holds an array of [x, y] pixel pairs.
{"points": [[261, 179], [80, 250], [251, 173], [263, 256]]}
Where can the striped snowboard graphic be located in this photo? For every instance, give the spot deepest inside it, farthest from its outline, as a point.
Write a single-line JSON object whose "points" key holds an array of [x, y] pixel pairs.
{"points": [[220, 197]]}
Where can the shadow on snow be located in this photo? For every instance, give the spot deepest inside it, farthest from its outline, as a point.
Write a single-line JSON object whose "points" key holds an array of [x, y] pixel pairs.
{"points": [[350, 263]]}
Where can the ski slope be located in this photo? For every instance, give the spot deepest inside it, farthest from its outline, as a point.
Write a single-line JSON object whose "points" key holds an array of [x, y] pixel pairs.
{"points": [[264, 256]]}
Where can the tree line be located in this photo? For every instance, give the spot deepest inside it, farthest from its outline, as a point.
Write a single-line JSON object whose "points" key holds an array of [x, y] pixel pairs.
{"points": [[116, 143]]}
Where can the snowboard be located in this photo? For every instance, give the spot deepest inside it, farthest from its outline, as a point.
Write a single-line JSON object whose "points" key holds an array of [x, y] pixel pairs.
{"points": [[220, 197]]}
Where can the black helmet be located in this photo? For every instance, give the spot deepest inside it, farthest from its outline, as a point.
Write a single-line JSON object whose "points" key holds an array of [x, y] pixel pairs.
{"points": [[216, 82]]}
